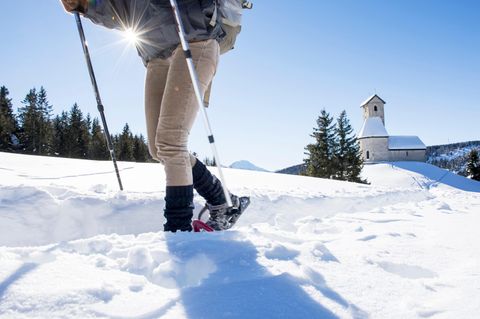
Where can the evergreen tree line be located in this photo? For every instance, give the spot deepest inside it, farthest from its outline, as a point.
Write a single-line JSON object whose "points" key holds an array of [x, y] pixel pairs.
{"points": [[459, 158], [450, 149], [473, 165], [335, 154], [35, 130], [456, 165]]}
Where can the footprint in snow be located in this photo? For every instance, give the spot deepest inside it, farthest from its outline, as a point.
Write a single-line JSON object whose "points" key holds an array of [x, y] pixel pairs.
{"points": [[324, 254], [394, 234], [430, 288], [368, 238], [137, 284], [416, 215], [99, 188], [104, 293], [280, 252], [385, 221], [428, 313], [442, 206], [407, 271]]}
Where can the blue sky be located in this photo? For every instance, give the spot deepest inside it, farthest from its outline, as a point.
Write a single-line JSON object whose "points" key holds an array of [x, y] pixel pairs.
{"points": [[292, 59]]}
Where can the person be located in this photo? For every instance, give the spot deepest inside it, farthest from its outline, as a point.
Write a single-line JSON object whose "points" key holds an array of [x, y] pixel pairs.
{"points": [[170, 104]]}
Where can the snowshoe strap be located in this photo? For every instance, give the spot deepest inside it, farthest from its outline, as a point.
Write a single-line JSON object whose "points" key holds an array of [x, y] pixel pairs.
{"points": [[199, 226]]}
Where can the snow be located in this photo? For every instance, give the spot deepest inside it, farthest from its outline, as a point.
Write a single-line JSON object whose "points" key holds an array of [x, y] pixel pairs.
{"points": [[73, 246], [405, 143], [373, 127], [371, 98]]}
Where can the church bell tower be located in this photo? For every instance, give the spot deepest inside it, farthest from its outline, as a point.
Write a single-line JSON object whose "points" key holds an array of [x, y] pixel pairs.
{"points": [[374, 106]]}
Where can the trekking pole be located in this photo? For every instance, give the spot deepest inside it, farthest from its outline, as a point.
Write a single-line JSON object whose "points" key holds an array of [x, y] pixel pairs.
{"points": [[97, 96], [198, 94]]}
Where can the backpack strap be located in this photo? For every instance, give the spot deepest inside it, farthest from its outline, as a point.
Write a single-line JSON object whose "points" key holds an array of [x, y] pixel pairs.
{"points": [[213, 21]]}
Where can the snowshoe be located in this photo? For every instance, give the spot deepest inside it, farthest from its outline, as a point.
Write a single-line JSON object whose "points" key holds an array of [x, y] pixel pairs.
{"points": [[221, 217]]}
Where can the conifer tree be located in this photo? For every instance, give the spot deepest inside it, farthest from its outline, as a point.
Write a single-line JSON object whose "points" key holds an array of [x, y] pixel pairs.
{"points": [[347, 159], [60, 141], [98, 144], [115, 140], [77, 133], [125, 145], [8, 121], [29, 123], [473, 165], [343, 142], [45, 129], [88, 122], [140, 149], [321, 153]]}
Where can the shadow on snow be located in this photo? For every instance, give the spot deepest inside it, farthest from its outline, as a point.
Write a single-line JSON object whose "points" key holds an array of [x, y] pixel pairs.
{"points": [[439, 176], [224, 280], [17, 275]]}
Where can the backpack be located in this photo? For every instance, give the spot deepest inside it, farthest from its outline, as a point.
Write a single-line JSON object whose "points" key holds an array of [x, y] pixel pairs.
{"points": [[229, 15]]}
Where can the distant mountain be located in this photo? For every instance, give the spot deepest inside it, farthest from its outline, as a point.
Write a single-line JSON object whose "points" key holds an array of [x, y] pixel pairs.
{"points": [[293, 170], [451, 156], [247, 166]]}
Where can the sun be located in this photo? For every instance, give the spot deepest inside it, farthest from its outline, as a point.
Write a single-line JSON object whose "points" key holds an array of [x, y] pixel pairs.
{"points": [[131, 36]]}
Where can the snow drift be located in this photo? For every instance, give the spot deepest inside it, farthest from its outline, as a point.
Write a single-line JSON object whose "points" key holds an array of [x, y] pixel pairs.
{"points": [[405, 246]]}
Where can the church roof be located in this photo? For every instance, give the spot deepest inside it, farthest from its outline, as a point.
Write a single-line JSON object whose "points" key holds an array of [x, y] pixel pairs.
{"points": [[405, 143], [373, 127], [371, 98]]}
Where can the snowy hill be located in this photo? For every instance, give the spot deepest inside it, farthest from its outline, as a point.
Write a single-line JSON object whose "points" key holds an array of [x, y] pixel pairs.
{"points": [[453, 157], [293, 170], [247, 166], [72, 246]]}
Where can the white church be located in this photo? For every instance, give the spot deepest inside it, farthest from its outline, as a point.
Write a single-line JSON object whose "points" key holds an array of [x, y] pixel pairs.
{"points": [[377, 145]]}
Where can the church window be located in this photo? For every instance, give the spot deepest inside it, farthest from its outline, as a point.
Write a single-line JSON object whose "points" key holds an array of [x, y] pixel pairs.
{"points": [[375, 108], [368, 154]]}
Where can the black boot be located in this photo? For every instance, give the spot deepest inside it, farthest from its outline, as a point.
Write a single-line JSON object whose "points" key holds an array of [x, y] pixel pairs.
{"points": [[179, 208], [207, 185]]}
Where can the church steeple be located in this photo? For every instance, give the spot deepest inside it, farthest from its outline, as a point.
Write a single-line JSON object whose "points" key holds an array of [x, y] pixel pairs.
{"points": [[374, 106]]}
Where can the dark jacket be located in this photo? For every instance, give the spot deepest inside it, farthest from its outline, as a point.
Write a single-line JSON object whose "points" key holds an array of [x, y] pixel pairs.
{"points": [[155, 22]]}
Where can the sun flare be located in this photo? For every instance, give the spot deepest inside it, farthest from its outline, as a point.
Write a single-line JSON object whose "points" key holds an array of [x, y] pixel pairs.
{"points": [[131, 36]]}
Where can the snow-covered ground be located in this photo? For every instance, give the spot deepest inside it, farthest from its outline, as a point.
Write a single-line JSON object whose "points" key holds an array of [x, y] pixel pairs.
{"points": [[72, 246]]}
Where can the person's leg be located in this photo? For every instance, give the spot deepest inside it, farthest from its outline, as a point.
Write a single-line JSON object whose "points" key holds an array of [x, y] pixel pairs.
{"points": [[177, 115], [210, 188], [155, 82], [156, 79], [206, 184]]}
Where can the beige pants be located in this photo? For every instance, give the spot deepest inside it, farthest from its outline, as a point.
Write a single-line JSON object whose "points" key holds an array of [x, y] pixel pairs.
{"points": [[171, 107]]}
